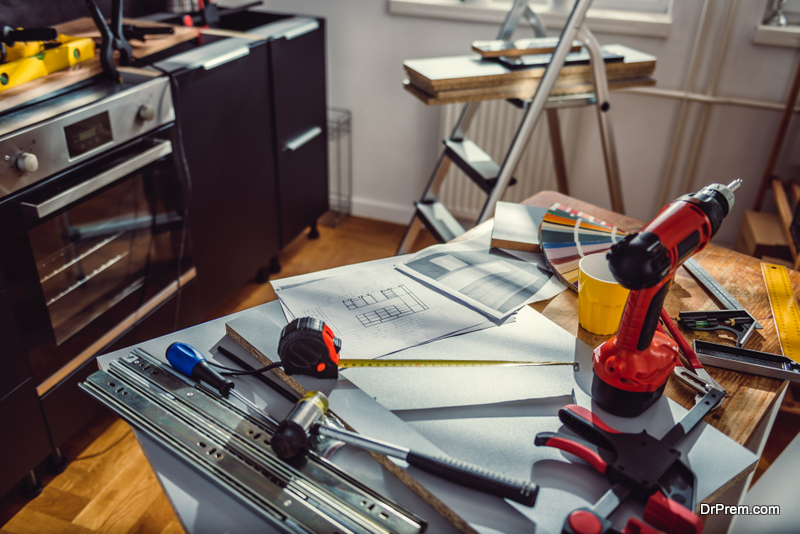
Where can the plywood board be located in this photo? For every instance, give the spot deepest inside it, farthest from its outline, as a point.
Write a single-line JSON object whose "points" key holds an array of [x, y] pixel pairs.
{"points": [[522, 91], [520, 47], [461, 72]]}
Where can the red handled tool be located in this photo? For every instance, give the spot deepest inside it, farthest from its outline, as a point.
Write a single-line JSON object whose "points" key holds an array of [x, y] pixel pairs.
{"points": [[693, 374], [631, 369], [639, 465]]}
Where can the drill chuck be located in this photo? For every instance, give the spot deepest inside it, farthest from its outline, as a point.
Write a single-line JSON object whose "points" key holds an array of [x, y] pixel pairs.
{"points": [[639, 261]]}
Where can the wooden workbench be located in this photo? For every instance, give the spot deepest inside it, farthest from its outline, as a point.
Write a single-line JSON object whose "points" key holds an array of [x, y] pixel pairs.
{"points": [[752, 398]]}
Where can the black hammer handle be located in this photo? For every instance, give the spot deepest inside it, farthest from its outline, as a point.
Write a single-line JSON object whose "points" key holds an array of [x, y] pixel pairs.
{"points": [[457, 471], [476, 477]]}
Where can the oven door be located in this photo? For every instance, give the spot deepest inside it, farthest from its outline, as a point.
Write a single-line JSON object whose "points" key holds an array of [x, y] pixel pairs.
{"points": [[100, 248]]}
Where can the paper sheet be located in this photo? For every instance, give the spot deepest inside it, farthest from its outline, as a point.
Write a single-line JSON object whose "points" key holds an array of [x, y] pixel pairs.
{"points": [[378, 310], [500, 436], [491, 281]]}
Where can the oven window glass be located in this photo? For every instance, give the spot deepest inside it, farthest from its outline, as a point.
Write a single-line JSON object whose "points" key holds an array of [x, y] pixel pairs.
{"points": [[105, 249]]}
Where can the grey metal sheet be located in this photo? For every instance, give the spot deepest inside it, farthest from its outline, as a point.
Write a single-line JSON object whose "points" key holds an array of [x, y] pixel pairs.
{"points": [[498, 435]]}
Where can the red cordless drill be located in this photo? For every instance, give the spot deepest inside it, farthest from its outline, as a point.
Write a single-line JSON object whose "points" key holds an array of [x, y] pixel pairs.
{"points": [[631, 369]]}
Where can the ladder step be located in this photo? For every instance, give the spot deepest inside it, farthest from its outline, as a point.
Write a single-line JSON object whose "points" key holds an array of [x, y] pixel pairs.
{"points": [[439, 221], [476, 163]]}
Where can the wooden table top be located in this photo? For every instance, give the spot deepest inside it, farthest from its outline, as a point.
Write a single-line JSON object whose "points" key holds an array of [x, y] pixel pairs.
{"points": [[751, 396]]}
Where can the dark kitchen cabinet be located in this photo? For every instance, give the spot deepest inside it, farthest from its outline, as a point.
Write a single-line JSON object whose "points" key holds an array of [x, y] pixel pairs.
{"points": [[252, 111], [252, 132], [224, 119], [25, 440], [15, 368], [299, 101]]}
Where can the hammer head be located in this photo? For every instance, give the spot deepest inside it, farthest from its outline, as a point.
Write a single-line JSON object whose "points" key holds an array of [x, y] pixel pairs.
{"points": [[289, 439], [293, 434]]}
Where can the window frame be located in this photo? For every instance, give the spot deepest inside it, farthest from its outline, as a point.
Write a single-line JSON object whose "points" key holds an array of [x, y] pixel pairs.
{"points": [[639, 22]]}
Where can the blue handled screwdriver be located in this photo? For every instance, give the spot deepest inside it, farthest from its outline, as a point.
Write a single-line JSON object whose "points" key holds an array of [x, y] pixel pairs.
{"points": [[189, 361]]}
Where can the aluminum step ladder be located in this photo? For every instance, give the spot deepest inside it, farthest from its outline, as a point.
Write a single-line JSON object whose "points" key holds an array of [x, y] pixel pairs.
{"points": [[493, 178]]}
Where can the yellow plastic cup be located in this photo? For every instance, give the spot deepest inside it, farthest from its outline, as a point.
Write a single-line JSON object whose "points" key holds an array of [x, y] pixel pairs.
{"points": [[600, 298]]}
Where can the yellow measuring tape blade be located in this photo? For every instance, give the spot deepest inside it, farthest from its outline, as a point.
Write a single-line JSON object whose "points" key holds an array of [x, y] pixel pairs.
{"points": [[784, 308], [349, 364]]}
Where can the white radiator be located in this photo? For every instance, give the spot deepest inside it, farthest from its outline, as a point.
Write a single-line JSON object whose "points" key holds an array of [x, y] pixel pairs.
{"points": [[493, 129]]}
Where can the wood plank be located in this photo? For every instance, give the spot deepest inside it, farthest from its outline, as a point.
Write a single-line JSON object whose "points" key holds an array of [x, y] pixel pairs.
{"points": [[785, 213], [520, 47], [158, 516], [100, 462], [129, 511], [61, 504], [29, 520], [522, 91], [460, 72], [120, 490], [85, 27], [173, 527]]}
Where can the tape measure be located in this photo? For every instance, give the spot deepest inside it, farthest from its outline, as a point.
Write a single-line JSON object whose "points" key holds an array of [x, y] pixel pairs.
{"points": [[784, 308], [355, 364], [309, 347]]}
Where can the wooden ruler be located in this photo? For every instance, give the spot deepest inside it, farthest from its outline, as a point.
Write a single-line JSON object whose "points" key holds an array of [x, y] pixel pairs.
{"points": [[784, 309]]}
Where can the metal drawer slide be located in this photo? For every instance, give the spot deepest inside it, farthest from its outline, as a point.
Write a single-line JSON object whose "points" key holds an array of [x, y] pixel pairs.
{"points": [[232, 449]]}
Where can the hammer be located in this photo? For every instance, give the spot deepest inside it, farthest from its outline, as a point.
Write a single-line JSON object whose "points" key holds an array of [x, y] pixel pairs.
{"points": [[306, 418]]}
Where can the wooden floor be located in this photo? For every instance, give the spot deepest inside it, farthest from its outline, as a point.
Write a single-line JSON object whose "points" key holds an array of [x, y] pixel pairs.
{"points": [[108, 485]]}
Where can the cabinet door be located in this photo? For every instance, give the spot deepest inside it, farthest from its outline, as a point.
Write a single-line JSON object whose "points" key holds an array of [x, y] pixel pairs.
{"points": [[67, 408], [226, 126], [13, 362], [25, 441], [300, 110]]}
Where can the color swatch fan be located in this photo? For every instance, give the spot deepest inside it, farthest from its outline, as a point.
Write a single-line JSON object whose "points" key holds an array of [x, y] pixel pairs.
{"points": [[566, 235]]}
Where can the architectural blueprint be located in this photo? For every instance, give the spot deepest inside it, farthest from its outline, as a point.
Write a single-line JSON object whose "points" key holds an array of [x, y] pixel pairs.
{"points": [[490, 280], [377, 310]]}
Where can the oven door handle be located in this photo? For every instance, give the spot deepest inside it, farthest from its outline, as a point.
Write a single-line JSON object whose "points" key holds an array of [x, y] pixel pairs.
{"points": [[65, 198]]}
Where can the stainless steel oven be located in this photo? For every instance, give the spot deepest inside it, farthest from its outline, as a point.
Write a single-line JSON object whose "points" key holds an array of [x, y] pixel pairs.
{"points": [[92, 214]]}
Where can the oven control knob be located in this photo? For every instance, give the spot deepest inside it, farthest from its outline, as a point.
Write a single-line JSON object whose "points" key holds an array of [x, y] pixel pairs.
{"points": [[146, 113], [27, 162]]}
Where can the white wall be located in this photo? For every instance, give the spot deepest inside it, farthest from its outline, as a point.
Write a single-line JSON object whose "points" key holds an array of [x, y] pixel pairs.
{"points": [[395, 136]]}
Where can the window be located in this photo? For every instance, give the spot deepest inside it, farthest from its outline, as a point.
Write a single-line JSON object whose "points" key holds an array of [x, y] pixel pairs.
{"points": [[648, 18], [558, 6], [789, 9]]}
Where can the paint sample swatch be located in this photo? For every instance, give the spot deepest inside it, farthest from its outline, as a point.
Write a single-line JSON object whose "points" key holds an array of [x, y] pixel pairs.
{"points": [[566, 235]]}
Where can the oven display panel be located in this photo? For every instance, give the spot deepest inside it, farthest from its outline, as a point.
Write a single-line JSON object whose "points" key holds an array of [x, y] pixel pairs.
{"points": [[88, 134]]}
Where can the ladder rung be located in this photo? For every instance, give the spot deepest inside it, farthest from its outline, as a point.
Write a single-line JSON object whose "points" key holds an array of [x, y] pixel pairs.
{"points": [[559, 102], [476, 163], [439, 221]]}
